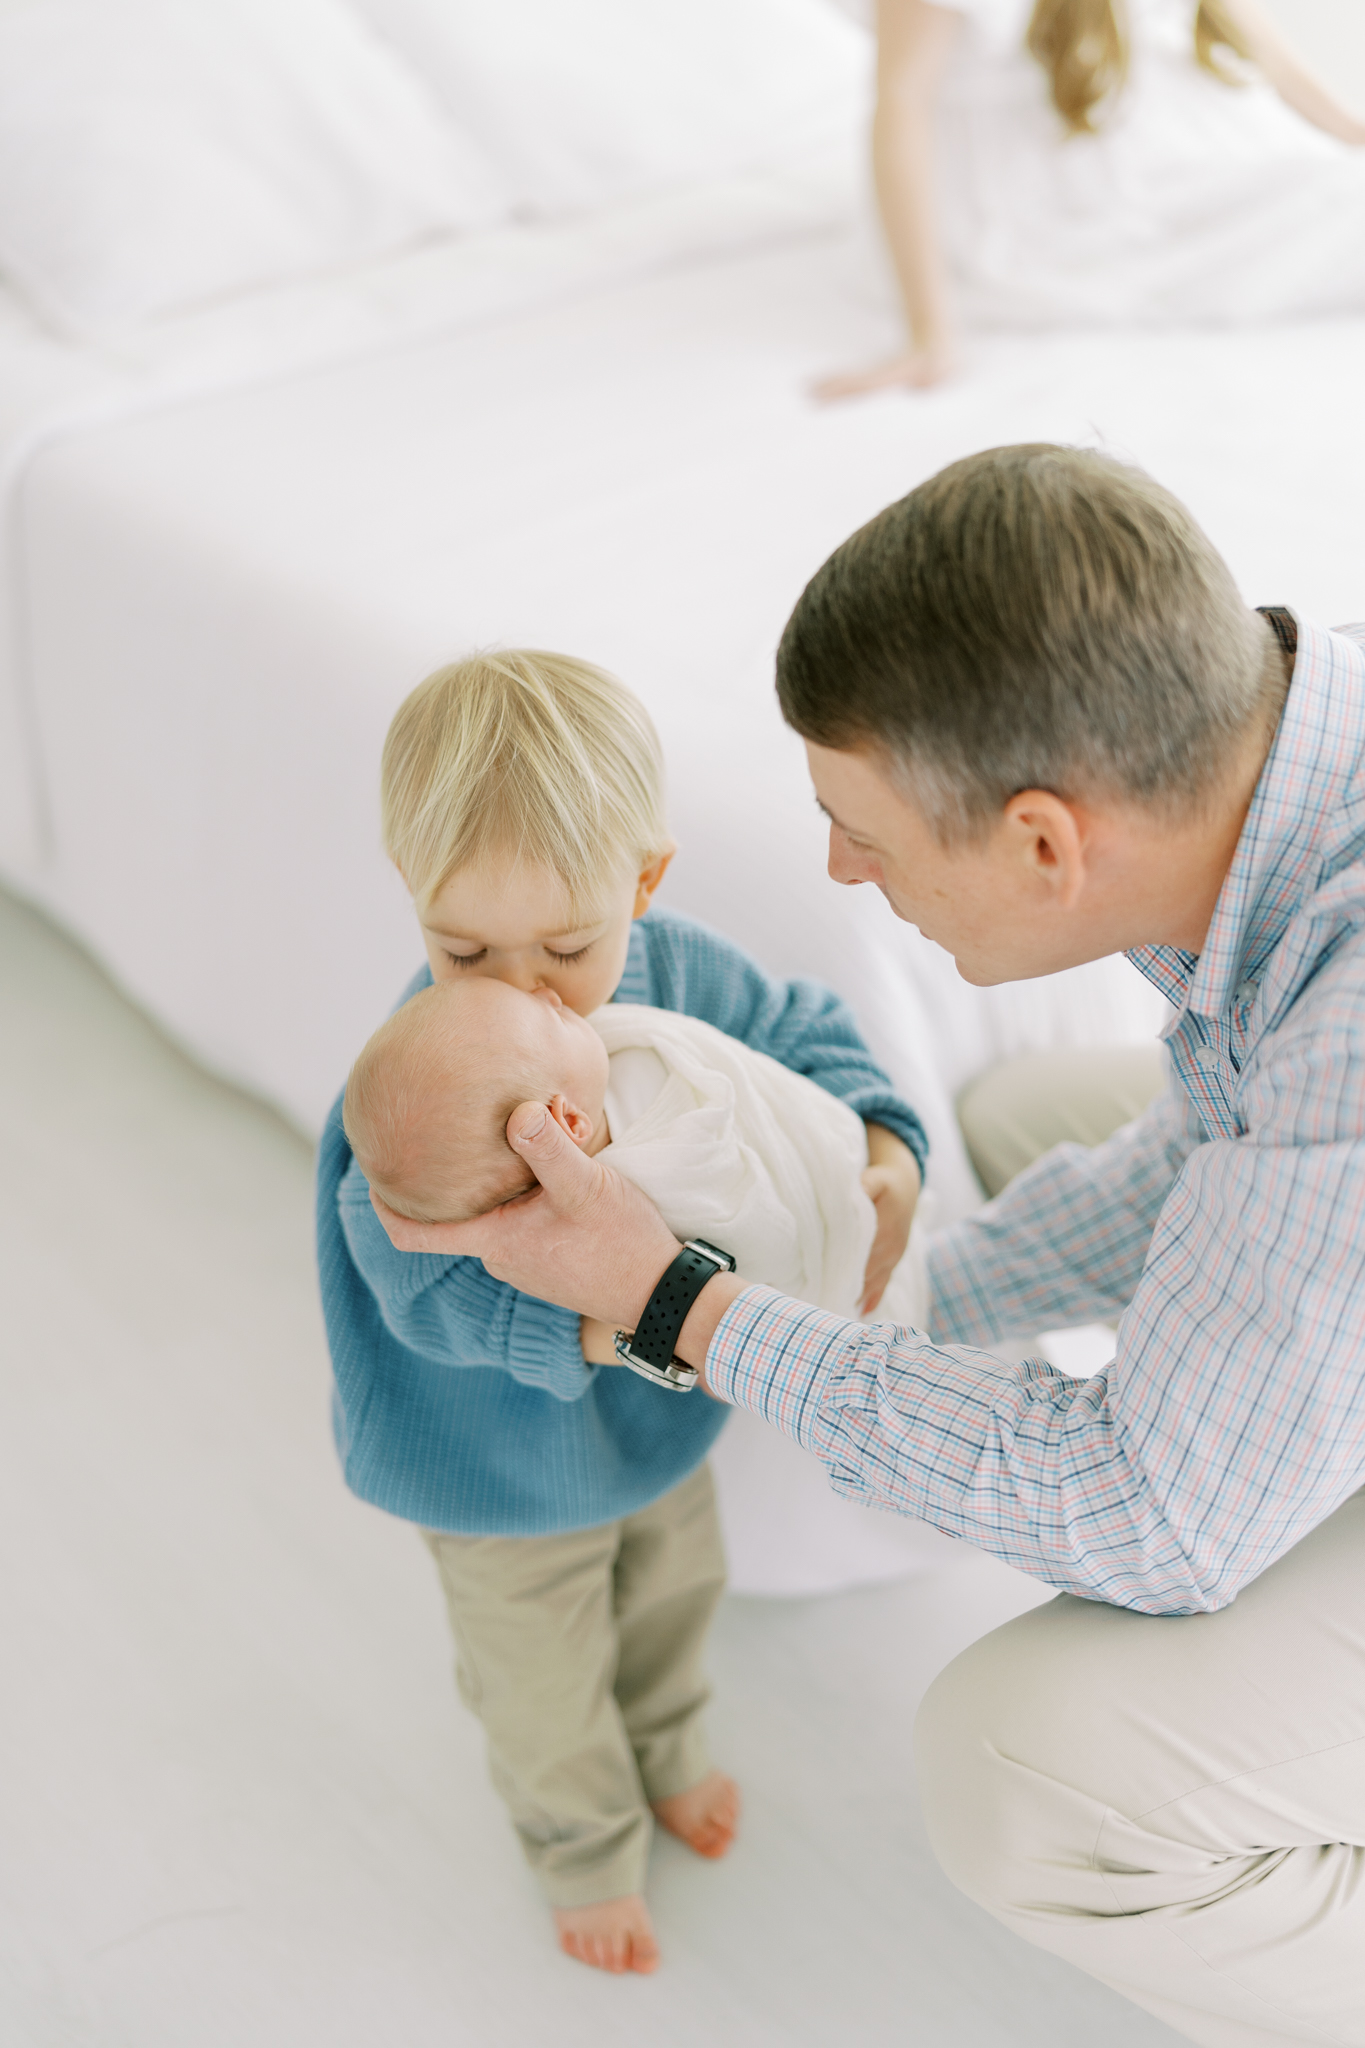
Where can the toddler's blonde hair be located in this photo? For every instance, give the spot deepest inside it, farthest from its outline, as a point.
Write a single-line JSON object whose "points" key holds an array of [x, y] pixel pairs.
{"points": [[523, 755]]}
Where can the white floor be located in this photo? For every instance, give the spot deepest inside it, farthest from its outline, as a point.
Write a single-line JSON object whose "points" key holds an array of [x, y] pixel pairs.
{"points": [[241, 1804]]}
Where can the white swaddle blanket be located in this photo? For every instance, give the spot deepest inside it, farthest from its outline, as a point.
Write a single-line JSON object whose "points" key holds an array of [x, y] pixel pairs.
{"points": [[733, 1147]]}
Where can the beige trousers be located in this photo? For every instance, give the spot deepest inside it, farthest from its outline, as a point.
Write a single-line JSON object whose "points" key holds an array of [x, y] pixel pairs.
{"points": [[582, 1655], [1014, 1112], [1176, 1805]]}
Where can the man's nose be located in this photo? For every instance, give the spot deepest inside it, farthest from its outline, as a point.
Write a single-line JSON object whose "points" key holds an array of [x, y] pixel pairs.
{"points": [[846, 864]]}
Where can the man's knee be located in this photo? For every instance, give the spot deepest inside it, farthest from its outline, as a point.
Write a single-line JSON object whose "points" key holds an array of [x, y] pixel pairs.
{"points": [[1016, 1111], [1008, 1822], [964, 1791]]}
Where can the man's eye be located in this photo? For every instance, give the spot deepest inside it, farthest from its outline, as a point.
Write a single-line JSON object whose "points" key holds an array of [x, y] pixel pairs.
{"points": [[570, 959], [467, 959]]}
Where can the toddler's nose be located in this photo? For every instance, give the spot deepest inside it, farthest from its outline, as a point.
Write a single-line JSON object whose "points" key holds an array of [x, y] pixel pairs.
{"points": [[520, 976]]}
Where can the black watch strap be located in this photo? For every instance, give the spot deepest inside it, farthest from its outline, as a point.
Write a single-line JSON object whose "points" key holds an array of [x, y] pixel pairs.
{"points": [[649, 1349]]}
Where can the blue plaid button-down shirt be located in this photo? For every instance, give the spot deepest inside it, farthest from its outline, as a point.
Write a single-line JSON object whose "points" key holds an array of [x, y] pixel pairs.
{"points": [[1224, 1230]]}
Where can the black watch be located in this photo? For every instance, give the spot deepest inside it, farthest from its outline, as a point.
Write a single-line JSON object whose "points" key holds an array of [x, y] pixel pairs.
{"points": [[648, 1349]]}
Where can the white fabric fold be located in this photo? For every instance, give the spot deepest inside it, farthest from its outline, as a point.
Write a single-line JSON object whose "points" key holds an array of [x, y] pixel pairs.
{"points": [[739, 1150]]}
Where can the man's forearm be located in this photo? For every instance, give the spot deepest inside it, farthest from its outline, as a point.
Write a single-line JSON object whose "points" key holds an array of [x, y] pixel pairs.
{"points": [[704, 1318], [1020, 1460], [1066, 1241]]}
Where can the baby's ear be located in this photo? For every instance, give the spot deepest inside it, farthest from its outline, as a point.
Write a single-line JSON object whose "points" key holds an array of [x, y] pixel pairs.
{"points": [[571, 1120]]}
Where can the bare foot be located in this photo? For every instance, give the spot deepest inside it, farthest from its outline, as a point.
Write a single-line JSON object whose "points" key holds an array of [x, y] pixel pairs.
{"points": [[705, 1817], [616, 1935], [914, 371]]}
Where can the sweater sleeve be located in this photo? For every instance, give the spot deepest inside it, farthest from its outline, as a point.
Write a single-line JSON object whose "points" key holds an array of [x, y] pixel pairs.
{"points": [[455, 1313], [800, 1023]]}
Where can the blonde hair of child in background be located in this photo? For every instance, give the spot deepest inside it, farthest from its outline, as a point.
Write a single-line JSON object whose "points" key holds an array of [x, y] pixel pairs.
{"points": [[1083, 47]]}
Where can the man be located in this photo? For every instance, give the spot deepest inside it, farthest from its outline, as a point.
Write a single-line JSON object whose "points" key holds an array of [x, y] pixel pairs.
{"points": [[1044, 724]]}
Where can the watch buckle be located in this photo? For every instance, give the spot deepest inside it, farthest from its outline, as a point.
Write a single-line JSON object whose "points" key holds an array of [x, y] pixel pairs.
{"points": [[724, 1262], [678, 1377]]}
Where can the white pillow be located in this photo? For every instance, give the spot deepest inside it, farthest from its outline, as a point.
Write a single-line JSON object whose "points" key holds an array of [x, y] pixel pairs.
{"points": [[583, 102], [158, 153]]}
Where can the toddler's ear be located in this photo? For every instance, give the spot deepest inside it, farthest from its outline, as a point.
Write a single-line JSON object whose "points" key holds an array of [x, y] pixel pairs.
{"points": [[650, 879], [571, 1120]]}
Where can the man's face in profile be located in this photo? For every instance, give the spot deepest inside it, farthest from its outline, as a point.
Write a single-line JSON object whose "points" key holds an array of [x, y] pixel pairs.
{"points": [[1007, 905]]}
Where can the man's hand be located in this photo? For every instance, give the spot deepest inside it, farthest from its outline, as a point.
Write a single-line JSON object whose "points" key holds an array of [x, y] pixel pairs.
{"points": [[892, 1179], [585, 1238]]}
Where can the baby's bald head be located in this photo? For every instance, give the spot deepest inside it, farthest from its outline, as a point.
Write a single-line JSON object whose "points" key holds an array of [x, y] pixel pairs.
{"points": [[428, 1100]]}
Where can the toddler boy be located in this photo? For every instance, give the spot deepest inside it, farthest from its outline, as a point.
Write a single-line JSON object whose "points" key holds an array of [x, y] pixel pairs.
{"points": [[522, 800]]}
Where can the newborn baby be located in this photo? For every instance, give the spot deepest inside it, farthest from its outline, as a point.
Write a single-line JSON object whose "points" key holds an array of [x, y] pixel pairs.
{"points": [[730, 1145]]}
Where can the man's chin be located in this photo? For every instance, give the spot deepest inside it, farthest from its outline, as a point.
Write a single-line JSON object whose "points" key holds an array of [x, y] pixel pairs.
{"points": [[982, 971], [979, 974], [992, 973]]}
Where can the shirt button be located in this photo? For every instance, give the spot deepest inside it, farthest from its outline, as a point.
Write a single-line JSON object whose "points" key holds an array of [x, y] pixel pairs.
{"points": [[1206, 1056], [1246, 991]]}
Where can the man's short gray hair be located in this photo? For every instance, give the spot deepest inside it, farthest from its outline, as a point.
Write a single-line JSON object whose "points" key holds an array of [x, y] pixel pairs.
{"points": [[1033, 617]]}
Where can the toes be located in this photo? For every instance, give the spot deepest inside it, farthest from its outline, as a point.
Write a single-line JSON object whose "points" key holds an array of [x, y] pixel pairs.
{"points": [[707, 1818], [615, 1950], [644, 1954], [713, 1841], [586, 1948]]}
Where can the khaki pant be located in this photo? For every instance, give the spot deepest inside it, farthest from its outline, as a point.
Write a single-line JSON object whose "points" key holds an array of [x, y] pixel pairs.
{"points": [[1013, 1113], [582, 1655], [1174, 1804]]}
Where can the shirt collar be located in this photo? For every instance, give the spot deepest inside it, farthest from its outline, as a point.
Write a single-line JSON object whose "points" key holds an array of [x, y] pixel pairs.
{"points": [[1314, 760]]}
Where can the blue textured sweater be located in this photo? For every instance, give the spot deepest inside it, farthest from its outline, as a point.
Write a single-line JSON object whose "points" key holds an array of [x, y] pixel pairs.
{"points": [[464, 1405]]}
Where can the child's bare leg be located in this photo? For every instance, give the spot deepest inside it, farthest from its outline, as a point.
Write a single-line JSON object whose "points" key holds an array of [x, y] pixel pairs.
{"points": [[616, 1935], [706, 1816]]}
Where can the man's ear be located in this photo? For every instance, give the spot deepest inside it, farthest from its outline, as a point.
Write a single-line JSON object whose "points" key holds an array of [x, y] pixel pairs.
{"points": [[650, 878], [571, 1120], [1049, 837]]}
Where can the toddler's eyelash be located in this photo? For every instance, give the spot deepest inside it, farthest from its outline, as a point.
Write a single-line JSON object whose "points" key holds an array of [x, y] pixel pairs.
{"points": [[564, 959]]}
